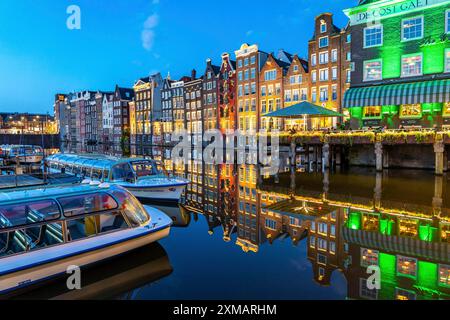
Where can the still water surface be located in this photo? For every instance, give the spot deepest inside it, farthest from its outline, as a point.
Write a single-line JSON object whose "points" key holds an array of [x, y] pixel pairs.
{"points": [[293, 236]]}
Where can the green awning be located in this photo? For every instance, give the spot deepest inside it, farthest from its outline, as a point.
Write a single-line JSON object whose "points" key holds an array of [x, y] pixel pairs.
{"points": [[303, 109], [436, 91]]}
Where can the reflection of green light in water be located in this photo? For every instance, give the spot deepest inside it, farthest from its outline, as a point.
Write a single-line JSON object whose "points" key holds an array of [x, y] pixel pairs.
{"points": [[428, 272]]}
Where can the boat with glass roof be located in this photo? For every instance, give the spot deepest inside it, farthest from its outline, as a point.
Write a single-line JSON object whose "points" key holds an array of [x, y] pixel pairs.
{"points": [[26, 154], [145, 178], [44, 232]]}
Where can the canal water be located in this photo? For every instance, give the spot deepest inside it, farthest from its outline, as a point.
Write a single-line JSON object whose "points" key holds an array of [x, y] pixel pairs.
{"points": [[300, 234]]}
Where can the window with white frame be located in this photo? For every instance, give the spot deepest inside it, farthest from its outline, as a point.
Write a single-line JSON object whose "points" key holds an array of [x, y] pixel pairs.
{"points": [[334, 72], [447, 60], [334, 55], [373, 36], [314, 76], [313, 59], [270, 75], [287, 96], [323, 57], [323, 27], [373, 70], [323, 95], [412, 28], [314, 94], [323, 75], [412, 65], [295, 68], [322, 244], [323, 42]]}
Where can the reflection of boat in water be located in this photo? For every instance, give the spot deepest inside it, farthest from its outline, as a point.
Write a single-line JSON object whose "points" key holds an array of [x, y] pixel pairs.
{"points": [[44, 231], [122, 277], [180, 216], [142, 177], [25, 154]]}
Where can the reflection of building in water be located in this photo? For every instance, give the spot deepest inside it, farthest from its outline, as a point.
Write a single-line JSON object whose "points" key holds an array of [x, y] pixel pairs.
{"points": [[248, 209], [367, 222], [194, 192], [227, 197], [326, 248]]}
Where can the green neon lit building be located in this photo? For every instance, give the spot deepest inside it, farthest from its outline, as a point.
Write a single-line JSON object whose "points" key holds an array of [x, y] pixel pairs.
{"points": [[400, 63]]}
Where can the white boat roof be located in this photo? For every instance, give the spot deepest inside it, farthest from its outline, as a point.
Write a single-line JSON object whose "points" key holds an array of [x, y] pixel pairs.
{"points": [[51, 192], [92, 161]]}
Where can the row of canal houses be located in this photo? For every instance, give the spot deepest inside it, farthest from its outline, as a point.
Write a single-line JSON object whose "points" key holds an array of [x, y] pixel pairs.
{"points": [[231, 94], [388, 67]]}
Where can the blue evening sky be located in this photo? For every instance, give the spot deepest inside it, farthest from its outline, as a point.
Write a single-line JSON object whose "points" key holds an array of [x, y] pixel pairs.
{"points": [[122, 40]]}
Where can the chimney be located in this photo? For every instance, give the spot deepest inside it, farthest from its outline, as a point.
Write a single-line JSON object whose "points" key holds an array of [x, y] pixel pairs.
{"points": [[193, 74]]}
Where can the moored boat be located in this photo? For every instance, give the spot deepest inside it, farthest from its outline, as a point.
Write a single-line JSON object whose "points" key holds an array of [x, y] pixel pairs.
{"points": [[142, 177], [45, 231], [25, 154]]}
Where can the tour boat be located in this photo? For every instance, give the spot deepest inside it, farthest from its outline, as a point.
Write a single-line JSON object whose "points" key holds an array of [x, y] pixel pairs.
{"points": [[26, 154], [142, 177], [44, 232]]}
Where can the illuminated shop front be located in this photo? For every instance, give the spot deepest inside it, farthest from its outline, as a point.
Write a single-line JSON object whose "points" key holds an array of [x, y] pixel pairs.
{"points": [[401, 74]]}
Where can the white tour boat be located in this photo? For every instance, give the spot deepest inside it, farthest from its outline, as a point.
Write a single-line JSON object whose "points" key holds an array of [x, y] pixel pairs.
{"points": [[27, 155], [43, 232], [142, 177]]}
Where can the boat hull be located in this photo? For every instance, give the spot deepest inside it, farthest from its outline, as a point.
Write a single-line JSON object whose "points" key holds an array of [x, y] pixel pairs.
{"points": [[101, 248], [159, 194]]}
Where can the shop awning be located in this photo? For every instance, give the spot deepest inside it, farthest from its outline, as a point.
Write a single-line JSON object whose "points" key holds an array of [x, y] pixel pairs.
{"points": [[438, 251], [305, 211], [303, 109], [436, 91]]}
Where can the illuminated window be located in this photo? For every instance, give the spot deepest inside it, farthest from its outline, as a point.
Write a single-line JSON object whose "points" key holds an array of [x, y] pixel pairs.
{"points": [[412, 28], [323, 42], [373, 36], [372, 112], [444, 275], [410, 111], [312, 242], [322, 244], [373, 70], [402, 294], [412, 65], [407, 266], [369, 257], [447, 60], [446, 109]]}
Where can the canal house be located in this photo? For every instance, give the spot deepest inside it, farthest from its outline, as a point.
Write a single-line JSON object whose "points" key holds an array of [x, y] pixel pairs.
{"points": [[401, 64]]}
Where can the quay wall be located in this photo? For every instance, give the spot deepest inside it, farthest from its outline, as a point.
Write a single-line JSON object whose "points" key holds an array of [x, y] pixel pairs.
{"points": [[48, 141]]}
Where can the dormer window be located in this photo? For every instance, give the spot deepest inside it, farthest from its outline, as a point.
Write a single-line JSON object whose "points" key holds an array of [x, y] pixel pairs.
{"points": [[323, 26]]}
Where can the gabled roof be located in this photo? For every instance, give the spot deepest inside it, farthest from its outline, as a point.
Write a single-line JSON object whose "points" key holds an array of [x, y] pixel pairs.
{"points": [[125, 93], [285, 56]]}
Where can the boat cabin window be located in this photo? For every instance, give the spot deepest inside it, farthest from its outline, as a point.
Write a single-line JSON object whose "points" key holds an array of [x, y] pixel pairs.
{"points": [[144, 168], [132, 208], [122, 172], [87, 203], [93, 225], [14, 215]]}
